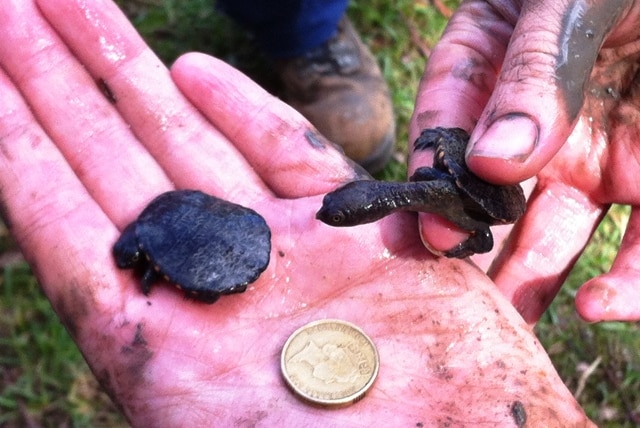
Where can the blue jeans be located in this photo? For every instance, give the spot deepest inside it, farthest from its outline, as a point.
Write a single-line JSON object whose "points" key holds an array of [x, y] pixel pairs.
{"points": [[286, 28]]}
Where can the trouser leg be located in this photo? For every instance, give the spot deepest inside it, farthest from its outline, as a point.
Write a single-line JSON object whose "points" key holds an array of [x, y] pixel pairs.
{"points": [[287, 28]]}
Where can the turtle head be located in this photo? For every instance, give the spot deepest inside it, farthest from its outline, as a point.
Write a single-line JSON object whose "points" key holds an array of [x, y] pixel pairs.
{"points": [[334, 216], [354, 203], [126, 250]]}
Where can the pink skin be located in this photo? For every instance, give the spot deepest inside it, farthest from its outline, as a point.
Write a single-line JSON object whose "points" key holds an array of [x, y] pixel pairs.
{"points": [[494, 61], [75, 169]]}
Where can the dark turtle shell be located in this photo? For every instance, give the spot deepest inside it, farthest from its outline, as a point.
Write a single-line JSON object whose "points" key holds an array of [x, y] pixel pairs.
{"points": [[205, 245], [502, 204]]}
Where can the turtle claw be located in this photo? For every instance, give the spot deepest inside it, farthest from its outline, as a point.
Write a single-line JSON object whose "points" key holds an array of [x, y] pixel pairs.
{"points": [[429, 138], [148, 278], [480, 241]]}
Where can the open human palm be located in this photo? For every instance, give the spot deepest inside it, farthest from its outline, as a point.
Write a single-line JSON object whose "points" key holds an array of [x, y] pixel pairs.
{"points": [[79, 161]]}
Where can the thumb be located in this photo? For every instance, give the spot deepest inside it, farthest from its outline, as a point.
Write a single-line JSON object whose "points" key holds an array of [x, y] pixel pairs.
{"points": [[540, 90]]}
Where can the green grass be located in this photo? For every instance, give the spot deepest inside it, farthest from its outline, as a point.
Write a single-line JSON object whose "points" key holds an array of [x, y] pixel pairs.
{"points": [[611, 392], [43, 377]]}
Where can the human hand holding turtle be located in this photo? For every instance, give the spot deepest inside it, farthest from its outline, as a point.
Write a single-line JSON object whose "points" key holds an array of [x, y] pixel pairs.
{"points": [[79, 161], [520, 78]]}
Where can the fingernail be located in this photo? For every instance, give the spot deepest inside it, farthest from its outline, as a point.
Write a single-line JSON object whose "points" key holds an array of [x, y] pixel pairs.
{"points": [[511, 137]]}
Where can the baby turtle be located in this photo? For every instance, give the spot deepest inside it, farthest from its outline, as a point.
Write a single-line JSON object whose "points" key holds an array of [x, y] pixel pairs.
{"points": [[448, 189], [205, 245], [496, 204]]}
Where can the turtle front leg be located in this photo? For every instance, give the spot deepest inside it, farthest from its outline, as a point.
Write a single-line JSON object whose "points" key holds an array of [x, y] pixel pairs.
{"points": [[148, 278]]}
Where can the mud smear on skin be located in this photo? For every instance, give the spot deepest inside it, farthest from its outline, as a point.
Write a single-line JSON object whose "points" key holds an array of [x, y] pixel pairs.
{"points": [[122, 382], [122, 378], [519, 414], [71, 307], [584, 28], [315, 140], [472, 71], [137, 354], [614, 81], [319, 142], [426, 117]]}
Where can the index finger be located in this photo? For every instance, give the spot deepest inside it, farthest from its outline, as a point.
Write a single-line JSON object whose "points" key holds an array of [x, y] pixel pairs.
{"points": [[170, 132], [456, 86], [461, 72]]}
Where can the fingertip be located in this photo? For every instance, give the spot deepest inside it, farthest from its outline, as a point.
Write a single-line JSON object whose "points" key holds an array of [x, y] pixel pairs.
{"points": [[182, 68], [201, 61], [199, 68], [608, 298], [588, 304], [187, 60], [439, 235]]}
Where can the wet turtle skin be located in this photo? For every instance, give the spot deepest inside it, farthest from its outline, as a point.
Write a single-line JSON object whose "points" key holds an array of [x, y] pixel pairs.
{"points": [[448, 189], [500, 204], [206, 246]]}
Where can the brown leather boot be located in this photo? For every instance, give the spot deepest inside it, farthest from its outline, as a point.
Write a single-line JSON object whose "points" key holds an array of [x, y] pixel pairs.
{"points": [[339, 88]]}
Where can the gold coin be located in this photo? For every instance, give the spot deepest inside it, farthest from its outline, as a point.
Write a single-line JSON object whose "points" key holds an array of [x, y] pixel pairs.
{"points": [[329, 362]]}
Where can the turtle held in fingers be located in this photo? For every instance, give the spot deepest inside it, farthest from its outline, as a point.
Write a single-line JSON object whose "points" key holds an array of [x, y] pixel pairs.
{"points": [[206, 246], [448, 188], [495, 204]]}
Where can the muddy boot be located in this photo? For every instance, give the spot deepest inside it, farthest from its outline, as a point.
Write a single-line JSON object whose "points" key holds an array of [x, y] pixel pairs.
{"points": [[339, 88]]}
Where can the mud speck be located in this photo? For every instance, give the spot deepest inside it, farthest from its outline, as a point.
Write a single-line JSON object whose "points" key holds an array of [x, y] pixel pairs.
{"points": [[314, 139], [519, 414]]}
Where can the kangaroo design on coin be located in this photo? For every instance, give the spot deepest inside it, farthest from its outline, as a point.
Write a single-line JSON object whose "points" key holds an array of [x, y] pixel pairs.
{"points": [[329, 362]]}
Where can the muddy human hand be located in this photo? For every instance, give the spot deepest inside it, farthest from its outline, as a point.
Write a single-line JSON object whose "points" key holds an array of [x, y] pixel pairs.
{"points": [[548, 90], [80, 160]]}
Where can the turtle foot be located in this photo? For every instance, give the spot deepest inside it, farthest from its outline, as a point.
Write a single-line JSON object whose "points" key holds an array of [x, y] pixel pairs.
{"points": [[480, 241]]}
